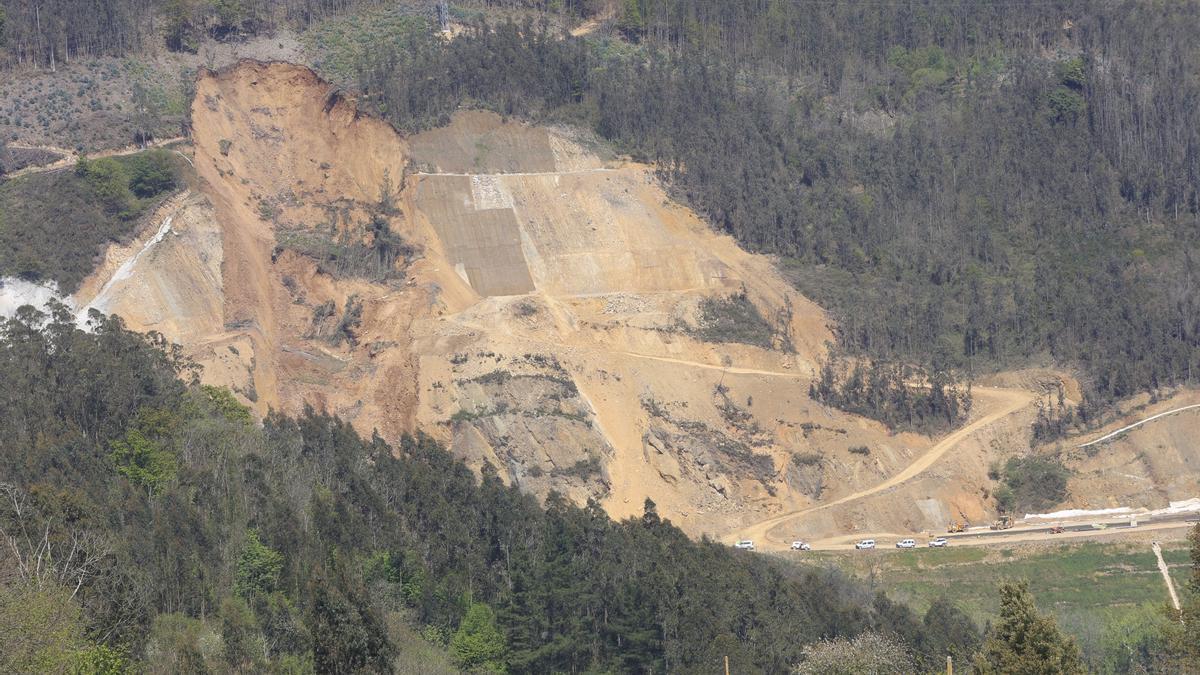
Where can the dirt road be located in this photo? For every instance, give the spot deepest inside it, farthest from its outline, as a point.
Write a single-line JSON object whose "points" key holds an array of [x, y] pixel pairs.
{"points": [[70, 157], [994, 404]]}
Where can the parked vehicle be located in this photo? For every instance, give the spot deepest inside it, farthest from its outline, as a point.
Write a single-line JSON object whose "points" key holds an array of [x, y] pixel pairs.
{"points": [[745, 545], [800, 546], [865, 543], [1057, 529], [906, 543], [938, 542]]}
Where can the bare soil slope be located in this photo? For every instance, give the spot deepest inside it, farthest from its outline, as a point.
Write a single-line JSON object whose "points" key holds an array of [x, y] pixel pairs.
{"points": [[547, 324], [1148, 466]]}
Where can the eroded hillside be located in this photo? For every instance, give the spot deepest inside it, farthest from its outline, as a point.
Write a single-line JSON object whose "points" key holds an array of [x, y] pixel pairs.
{"points": [[514, 290]]}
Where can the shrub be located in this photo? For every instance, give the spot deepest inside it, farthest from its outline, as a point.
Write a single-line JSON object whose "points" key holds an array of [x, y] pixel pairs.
{"points": [[583, 469], [806, 459], [1032, 484], [347, 328], [867, 653], [109, 183], [860, 450], [152, 173], [733, 319], [478, 646]]}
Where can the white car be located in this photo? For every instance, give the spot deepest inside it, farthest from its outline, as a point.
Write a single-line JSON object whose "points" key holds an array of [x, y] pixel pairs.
{"points": [[800, 546], [745, 545], [906, 543], [865, 543], [939, 542]]}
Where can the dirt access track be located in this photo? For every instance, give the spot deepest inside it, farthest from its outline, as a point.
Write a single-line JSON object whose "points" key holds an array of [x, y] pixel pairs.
{"points": [[990, 406], [770, 534]]}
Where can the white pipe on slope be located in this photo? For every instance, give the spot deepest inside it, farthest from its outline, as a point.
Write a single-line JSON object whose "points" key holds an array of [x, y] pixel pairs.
{"points": [[1138, 424]]}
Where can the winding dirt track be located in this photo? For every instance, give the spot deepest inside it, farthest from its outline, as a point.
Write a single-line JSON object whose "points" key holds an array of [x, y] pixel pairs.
{"points": [[990, 404], [997, 404]]}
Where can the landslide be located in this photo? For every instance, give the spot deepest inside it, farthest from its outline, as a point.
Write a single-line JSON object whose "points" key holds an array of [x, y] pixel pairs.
{"points": [[546, 309]]}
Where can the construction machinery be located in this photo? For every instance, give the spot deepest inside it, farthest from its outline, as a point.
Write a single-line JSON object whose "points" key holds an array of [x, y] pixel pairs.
{"points": [[956, 526], [1057, 529], [1004, 523]]}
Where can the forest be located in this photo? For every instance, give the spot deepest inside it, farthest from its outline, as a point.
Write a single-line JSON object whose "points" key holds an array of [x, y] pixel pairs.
{"points": [[966, 185], [149, 524], [48, 32], [163, 526]]}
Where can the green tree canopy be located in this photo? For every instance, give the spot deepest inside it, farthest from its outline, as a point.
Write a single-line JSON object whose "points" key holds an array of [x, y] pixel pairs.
{"points": [[478, 644], [1024, 642], [41, 630], [258, 568], [143, 454]]}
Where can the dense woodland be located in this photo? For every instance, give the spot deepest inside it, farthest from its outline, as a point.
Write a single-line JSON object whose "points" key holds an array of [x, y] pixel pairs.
{"points": [[149, 524], [49, 32], [166, 522]]}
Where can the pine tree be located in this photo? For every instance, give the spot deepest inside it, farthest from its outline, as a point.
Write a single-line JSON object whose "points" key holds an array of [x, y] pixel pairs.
{"points": [[478, 645], [1024, 642]]}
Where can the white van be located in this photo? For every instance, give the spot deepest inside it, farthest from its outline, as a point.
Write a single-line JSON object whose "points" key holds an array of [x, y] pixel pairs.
{"points": [[906, 543], [865, 543], [745, 545]]}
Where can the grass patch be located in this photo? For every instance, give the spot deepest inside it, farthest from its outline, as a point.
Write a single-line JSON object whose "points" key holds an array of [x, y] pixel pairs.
{"points": [[1071, 581]]}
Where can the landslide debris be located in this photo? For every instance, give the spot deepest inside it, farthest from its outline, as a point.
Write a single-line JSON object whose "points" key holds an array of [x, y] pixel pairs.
{"points": [[499, 286]]}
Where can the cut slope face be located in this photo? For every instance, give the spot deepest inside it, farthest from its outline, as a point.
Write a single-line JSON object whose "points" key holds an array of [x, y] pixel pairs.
{"points": [[545, 323], [1148, 466]]}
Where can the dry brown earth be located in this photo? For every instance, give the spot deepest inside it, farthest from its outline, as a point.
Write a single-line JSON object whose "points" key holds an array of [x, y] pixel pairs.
{"points": [[545, 327]]}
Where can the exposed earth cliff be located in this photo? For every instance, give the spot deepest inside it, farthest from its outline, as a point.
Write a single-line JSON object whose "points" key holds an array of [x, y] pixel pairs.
{"points": [[523, 295]]}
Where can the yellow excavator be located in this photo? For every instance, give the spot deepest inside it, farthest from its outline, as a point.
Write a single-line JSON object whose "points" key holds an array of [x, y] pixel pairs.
{"points": [[956, 526], [1004, 523]]}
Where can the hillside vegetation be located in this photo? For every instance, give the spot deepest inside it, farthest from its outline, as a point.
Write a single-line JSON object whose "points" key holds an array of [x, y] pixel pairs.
{"points": [[979, 184], [177, 531], [53, 225]]}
